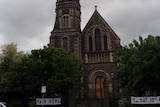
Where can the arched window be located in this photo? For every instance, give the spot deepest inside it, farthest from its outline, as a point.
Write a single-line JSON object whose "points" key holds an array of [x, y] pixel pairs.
{"points": [[65, 21], [98, 39], [65, 43], [105, 43], [99, 89], [90, 44]]}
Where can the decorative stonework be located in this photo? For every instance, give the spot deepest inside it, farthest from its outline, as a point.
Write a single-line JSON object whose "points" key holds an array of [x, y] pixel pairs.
{"points": [[95, 46]]}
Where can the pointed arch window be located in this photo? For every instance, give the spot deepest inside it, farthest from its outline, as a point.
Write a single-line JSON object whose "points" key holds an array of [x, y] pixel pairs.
{"points": [[97, 39], [105, 43], [65, 43], [65, 21], [90, 44], [99, 91]]}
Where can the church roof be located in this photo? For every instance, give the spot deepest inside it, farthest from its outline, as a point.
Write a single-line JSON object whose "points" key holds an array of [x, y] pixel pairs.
{"points": [[97, 19]]}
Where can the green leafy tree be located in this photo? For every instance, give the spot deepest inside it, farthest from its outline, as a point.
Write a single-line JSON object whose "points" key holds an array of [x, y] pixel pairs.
{"points": [[140, 66], [58, 69], [8, 56]]}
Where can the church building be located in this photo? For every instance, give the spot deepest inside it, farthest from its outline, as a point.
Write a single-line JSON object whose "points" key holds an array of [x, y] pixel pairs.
{"points": [[95, 46]]}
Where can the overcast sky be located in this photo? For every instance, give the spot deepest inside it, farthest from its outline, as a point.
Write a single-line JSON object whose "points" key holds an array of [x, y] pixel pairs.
{"points": [[28, 23]]}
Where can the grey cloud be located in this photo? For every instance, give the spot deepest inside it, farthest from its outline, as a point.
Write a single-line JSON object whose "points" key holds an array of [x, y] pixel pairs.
{"points": [[25, 21], [29, 22], [133, 18]]}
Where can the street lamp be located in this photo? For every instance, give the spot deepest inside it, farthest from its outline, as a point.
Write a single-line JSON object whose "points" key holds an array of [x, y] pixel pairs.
{"points": [[113, 90], [112, 76]]}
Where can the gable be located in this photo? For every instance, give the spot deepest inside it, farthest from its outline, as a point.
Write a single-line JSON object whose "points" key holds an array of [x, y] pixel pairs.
{"points": [[97, 20]]}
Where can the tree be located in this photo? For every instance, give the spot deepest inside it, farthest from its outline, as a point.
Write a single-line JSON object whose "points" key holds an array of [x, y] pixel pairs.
{"points": [[58, 69], [9, 56], [140, 66]]}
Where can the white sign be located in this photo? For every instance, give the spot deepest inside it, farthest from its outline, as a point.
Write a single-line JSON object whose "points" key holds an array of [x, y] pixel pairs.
{"points": [[48, 101], [145, 100], [43, 89]]}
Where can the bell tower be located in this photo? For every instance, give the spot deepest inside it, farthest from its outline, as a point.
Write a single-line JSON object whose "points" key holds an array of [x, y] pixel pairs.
{"points": [[67, 30], [67, 15]]}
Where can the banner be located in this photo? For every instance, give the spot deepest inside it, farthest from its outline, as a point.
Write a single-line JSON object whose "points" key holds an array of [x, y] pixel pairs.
{"points": [[48, 101], [145, 100]]}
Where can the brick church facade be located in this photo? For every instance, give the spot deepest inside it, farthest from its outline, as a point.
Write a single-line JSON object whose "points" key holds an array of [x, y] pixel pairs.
{"points": [[95, 46]]}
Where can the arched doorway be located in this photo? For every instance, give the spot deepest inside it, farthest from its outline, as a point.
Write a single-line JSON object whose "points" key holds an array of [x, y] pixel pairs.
{"points": [[99, 88]]}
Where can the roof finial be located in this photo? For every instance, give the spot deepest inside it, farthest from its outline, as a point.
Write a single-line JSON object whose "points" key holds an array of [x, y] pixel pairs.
{"points": [[95, 7]]}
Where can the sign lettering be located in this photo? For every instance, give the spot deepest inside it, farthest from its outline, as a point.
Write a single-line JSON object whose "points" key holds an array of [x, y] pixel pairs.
{"points": [[145, 100], [48, 101]]}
